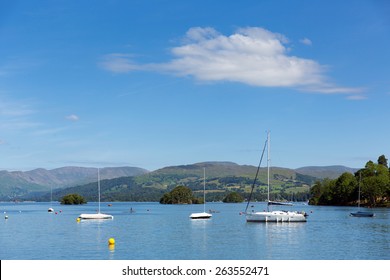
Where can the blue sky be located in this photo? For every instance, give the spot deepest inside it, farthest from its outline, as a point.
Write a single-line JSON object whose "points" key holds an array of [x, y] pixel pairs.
{"points": [[159, 83]]}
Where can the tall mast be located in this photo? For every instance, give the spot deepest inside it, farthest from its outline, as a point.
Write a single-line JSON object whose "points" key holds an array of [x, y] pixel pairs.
{"points": [[360, 178], [99, 189], [268, 159], [204, 189]]}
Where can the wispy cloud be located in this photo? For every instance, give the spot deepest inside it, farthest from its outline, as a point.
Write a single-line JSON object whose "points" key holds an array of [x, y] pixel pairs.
{"points": [[306, 41], [253, 56], [15, 115], [14, 109], [49, 131], [72, 117], [119, 63], [357, 97], [17, 64]]}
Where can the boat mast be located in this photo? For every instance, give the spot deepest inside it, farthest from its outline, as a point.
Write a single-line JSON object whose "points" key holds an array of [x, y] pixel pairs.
{"points": [[98, 190], [360, 178], [257, 173], [204, 189], [268, 160]]}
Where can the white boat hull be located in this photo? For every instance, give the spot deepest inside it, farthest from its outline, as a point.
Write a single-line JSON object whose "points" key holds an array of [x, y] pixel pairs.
{"points": [[97, 216], [203, 215], [275, 216]]}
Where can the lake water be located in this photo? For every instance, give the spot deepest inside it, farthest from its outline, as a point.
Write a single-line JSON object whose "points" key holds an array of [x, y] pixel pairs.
{"points": [[165, 232]]}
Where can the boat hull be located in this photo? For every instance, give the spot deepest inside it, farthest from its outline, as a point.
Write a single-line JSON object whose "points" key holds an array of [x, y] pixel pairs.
{"points": [[362, 214], [97, 216], [197, 216], [275, 217]]}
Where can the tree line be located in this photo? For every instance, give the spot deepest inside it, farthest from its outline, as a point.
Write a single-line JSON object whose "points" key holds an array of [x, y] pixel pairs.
{"points": [[373, 181]]}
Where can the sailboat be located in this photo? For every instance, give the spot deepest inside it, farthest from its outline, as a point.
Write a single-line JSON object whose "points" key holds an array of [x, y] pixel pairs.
{"points": [[50, 210], [204, 214], [361, 213], [98, 215], [271, 216]]}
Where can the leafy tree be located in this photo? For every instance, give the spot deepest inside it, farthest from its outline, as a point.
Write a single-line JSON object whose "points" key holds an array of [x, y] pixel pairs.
{"points": [[322, 192], [233, 197], [73, 199], [316, 192], [179, 195], [382, 160], [345, 186], [374, 180]]}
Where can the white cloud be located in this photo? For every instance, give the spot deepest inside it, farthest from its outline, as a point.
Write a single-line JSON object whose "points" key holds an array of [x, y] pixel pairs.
{"points": [[72, 117], [253, 56], [306, 41]]}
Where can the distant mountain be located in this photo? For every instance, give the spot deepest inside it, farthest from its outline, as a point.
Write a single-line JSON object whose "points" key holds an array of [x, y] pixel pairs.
{"points": [[17, 183], [12, 185], [132, 183], [221, 178], [322, 172]]}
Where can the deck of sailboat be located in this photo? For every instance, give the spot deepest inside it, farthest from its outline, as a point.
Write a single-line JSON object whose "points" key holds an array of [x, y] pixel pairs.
{"points": [[203, 215], [275, 216], [99, 216]]}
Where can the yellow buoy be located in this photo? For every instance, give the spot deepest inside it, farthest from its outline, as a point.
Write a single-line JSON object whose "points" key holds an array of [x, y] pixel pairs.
{"points": [[111, 241], [78, 219]]}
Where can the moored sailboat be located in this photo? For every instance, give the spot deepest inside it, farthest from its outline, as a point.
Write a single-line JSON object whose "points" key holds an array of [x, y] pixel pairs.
{"points": [[360, 213], [98, 215], [51, 210], [204, 214], [276, 215]]}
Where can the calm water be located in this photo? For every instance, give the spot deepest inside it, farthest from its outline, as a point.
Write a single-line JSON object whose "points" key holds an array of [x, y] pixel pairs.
{"points": [[165, 232]]}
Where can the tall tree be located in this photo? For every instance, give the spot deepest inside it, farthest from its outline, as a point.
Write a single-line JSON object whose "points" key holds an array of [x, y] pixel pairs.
{"points": [[383, 160], [344, 189], [375, 181], [179, 195]]}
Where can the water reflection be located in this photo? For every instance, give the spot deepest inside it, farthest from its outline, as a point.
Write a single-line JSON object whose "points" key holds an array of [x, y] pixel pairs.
{"points": [[277, 240]]}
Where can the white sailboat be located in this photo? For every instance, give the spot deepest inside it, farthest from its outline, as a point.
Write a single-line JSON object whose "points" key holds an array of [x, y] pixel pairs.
{"points": [[272, 216], [98, 215], [51, 210], [204, 214]]}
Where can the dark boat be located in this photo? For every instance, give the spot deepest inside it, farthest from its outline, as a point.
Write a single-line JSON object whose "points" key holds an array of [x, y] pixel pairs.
{"points": [[362, 214]]}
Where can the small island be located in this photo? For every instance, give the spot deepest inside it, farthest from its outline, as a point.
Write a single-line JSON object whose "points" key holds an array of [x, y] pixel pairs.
{"points": [[73, 198], [233, 197], [180, 195]]}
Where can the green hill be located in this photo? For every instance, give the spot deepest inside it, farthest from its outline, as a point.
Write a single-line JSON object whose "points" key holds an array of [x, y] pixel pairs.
{"points": [[32, 184], [136, 184], [221, 179], [322, 172]]}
